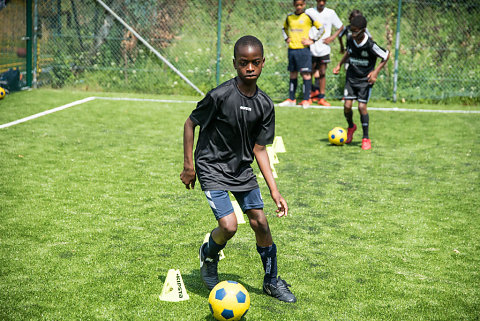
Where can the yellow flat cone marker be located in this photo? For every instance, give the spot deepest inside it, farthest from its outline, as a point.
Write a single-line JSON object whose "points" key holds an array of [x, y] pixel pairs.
{"points": [[238, 212], [221, 254], [272, 156], [274, 172], [278, 145], [174, 288]]}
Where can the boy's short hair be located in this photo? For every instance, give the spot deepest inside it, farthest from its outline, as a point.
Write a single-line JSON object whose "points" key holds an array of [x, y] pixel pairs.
{"points": [[298, 0], [247, 41], [354, 13], [359, 22]]}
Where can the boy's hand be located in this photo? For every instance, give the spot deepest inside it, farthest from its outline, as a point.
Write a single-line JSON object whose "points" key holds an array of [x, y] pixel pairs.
{"points": [[188, 177], [287, 40], [328, 40], [372, 77], [336, 70], [282, 207], [307, 42]]}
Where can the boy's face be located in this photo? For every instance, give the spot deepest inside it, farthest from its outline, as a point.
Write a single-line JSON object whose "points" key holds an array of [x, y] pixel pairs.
{"points": [[321, 4], [299, 6], [357, 33], [249, 63]]}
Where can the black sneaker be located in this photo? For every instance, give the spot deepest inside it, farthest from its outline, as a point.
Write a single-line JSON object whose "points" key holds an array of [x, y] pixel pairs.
{"points": [[208, 269], [280, 291]]}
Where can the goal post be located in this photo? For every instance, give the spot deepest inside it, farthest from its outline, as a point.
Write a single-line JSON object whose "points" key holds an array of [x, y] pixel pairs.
{"points": [[150, 47]]}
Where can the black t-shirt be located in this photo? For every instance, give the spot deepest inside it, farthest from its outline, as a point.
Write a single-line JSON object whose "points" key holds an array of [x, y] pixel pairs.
{"points": [[363, 57], [230, 126]]}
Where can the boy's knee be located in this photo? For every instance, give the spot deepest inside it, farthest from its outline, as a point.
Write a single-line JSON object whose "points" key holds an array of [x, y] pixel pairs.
{"points": [[228, 232], [228, 229], [306, 75], [259, 225], [362, 108]]}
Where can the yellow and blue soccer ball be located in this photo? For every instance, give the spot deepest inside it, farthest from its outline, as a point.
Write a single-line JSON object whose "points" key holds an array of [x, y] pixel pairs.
{"points": [[337, 136], [229, 300], [2, 93]]}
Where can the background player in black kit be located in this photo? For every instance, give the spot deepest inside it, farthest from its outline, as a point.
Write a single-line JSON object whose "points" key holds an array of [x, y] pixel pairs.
{"points": [[361, 75], [236, 121]]}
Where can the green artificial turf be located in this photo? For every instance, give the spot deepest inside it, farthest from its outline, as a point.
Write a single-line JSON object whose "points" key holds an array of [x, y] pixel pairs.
{"points": [[93, 215]]}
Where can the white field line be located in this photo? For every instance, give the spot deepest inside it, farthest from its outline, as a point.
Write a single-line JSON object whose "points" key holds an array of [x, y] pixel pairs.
{"points": [[81, 101], [146, 99], [46, 112], [85, 100], [396, 109]]}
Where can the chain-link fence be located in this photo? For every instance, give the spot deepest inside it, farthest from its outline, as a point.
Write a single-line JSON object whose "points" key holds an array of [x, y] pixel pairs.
{"points": [[439, 51], [82, 44], [12, 36]]}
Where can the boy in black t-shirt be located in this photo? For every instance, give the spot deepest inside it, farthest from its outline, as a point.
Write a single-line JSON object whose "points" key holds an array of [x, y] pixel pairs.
{"points": [[362, 52], [237, 121]]}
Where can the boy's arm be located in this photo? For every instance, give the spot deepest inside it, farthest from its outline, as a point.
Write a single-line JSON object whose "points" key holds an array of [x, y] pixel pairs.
{"points": [[188, 175], [337, 68], [332, 37], [263, 162], [314, 34], [316, 30], [372, 76], [340, 37], [286, 31], [342, 48]]}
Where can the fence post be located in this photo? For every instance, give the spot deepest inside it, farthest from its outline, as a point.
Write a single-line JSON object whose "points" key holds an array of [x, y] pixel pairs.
{"points": [[35, 43], [28, 37], [397, 49], [219, 39]]}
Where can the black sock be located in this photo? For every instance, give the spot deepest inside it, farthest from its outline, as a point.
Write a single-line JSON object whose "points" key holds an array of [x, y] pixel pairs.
{"points": [[349, 118], [365, 120], [292, 88], [269, 260], [317, 84], [320, 96], [212, 248], [307, 87]]}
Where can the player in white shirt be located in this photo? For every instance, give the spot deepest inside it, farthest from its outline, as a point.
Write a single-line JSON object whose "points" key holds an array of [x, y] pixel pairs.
{"points": [[321, 48]]}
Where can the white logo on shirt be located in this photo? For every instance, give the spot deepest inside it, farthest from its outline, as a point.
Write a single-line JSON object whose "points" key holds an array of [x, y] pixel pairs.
{"points": [[245, 108], [359, 62]]}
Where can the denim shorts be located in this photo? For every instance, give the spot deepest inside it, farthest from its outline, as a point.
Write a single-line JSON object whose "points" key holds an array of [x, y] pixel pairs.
{"points": [[222, 206]]}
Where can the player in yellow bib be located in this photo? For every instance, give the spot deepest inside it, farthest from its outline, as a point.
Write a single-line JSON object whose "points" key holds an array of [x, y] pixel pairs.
{"points": [[295, 32]]}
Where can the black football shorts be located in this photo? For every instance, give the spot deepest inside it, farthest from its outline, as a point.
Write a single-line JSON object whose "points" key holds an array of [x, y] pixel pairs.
{"points": [[300, 60], [316, 61], [357, 90]]}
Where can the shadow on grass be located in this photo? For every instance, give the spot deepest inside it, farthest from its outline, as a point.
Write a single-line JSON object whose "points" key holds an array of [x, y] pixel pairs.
{"points": [[325, 140]]}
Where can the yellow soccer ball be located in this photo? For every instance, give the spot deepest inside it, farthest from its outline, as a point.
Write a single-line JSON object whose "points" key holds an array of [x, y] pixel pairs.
{"points": [[2, 93], [337, 136], [229, 300]]}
